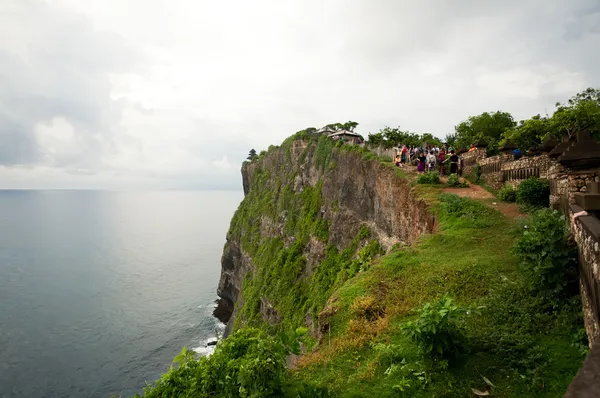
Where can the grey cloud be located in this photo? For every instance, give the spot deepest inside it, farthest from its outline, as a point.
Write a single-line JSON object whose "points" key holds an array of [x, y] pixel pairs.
{"points": [[251, 75], [60, 72]]}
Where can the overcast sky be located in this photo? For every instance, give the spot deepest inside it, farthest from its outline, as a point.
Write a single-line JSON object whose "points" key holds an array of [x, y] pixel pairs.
{"points": [[150, 94]]}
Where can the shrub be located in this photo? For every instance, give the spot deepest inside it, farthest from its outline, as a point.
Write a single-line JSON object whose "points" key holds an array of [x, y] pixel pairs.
{"points": [[507, 193], [438, 331], [546, 254], [248, 363], [534, 192], [429, 178], [477, 172], [454, 181]]}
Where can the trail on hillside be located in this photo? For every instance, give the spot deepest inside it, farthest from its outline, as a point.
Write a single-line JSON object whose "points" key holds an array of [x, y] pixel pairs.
{"points": [[473, 191], [476, 192]]}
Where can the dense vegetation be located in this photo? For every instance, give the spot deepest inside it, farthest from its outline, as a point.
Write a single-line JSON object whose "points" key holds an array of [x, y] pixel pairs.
{"points": [[431, 177], [282, 266], [389, 137], [507, 193], [547, 256], [454, 312], [492, 328], [249, 363], [533, 193], [486, 129], [581, 112], [454, 181]]}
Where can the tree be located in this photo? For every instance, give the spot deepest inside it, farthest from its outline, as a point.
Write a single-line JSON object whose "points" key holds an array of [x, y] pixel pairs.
{"points": [[528, 133], [487, 128], [581, 112], [252, 155], [376, 139], [451, 139], [390, 137], [350, 125], [430, 139]]}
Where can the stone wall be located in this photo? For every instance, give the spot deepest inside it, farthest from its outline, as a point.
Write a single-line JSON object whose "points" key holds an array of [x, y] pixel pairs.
{"points": [[559, 187], [577, 182], [526, 167], [381, 151], [469, 160], [502, 169], [491, 171], [586, 231]]}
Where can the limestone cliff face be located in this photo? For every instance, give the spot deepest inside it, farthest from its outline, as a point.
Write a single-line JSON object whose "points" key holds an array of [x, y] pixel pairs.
{"points": [[355, 193]]}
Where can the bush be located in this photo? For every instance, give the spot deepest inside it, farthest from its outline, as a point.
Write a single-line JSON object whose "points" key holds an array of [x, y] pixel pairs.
{"points": [[507, 193], [534, 192], [248, 363], [429, 178], [477, 173], [438, 331], [454, 181], [546, 254]]}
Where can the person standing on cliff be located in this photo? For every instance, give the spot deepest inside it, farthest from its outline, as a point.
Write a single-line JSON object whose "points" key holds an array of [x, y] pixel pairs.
{"points": [[431, 161], [441, 159], [421, 165], [453, 162], [403, 155]]}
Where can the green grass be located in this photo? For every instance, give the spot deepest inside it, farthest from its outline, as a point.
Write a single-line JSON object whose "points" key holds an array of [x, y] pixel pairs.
{"points": [[360, 301], [523, 347], [517, 342]]}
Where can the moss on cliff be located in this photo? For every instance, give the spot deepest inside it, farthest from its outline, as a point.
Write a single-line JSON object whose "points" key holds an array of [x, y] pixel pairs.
{"points": [[524, 345], [308, 268], [275, 225]]}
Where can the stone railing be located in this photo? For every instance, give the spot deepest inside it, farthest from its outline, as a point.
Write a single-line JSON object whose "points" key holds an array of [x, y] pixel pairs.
{"points": [[470, 160], [502, 169], [586, 230], [381, 151]]}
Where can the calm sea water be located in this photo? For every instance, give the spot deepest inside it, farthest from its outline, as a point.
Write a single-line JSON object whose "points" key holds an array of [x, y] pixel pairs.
{"points": [[100, 290]]}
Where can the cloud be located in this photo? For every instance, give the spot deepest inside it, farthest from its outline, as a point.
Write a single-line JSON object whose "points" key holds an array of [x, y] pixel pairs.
{"points": [[54, 68], [174, 93]]}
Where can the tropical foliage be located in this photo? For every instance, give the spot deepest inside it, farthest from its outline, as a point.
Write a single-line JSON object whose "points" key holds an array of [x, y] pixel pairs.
{"points": [[486, 128], [430, 177], [389, 137], [507, 193], [546, 254], [533, 192], [438, 328], [580, 112]]}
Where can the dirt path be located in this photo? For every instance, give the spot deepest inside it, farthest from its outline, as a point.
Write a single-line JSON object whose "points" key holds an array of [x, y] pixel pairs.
{"points": [[474, 192], [477, 192]]}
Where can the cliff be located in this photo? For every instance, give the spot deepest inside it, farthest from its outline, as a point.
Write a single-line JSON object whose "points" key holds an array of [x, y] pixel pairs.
{"points": [[314, 215], [335, 239]]}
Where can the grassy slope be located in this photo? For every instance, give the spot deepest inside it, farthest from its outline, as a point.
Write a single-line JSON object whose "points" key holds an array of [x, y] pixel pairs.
{"points": [[523, 346]]}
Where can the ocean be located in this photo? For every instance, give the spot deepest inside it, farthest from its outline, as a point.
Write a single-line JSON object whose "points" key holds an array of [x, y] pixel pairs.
{"points": [[100, 290]]}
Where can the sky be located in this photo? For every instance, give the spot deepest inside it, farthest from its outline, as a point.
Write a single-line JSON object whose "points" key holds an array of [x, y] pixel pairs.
{"points": [[172, 94]]}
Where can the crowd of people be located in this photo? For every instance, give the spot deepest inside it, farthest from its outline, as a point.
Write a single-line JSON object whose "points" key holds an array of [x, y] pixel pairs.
{"points": [[428, 158]]}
